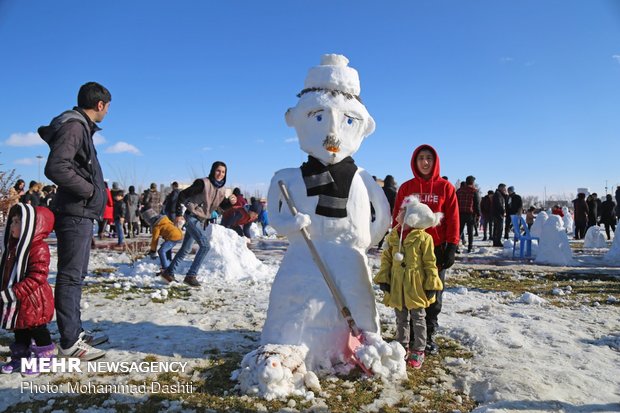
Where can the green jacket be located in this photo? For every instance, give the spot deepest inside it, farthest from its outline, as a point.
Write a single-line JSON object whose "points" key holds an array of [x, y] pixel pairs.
{"points": [[409, 278]]}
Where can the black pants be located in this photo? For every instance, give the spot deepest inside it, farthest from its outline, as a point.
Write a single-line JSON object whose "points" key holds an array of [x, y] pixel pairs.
{"points": [[467, 219], [498, 227], [40, 335], [507, 227], [432, 312], [580, 231], [607, 227]]}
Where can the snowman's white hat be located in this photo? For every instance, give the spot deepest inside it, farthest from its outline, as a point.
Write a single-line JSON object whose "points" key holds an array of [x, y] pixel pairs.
{"points": [[333, 75]]}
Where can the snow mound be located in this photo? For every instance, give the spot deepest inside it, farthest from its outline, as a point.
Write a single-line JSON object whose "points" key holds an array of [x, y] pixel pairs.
{"points": [[531, 298], [386, 360], [230, 259], [554, 247], [595, 238], [273, 371], [539, 222], [613, 255]]}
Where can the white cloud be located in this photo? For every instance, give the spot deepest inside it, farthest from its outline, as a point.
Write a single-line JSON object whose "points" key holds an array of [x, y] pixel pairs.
{"points": [[120, 147], [291, 140], [616, 57], [25, 161], [506, 59], [98, 139], [24, 139]]}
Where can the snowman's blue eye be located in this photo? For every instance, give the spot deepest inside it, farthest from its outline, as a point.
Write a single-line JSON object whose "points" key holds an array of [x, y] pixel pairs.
{"points": [[319, 118], [350, 121]]}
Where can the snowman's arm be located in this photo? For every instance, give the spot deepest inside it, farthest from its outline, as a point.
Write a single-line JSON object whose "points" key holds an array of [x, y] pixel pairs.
{"points": [[379, 227], [280, 216]]}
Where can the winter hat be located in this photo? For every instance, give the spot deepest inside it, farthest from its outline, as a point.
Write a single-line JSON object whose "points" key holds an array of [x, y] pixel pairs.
{"points": [[418, 216], [511, 189], [333, 74], [149, 216]]}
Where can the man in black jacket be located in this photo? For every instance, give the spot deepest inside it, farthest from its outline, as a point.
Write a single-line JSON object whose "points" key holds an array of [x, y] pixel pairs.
{"points": [[514, 206], [499, 214], [73, 165]]}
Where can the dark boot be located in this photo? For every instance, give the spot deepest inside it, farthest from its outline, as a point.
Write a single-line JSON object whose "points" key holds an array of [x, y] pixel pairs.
{"points": [[431, 346], [18, 352], [191, 281]]}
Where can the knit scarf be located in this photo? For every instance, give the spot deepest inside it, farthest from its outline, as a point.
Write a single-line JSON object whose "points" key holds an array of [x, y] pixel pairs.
{"points": [[9, 304], [331, 183]]}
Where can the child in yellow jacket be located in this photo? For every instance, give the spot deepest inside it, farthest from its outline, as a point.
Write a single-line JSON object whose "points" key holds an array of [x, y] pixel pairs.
{"points": [[161, 226], [408, 275]]}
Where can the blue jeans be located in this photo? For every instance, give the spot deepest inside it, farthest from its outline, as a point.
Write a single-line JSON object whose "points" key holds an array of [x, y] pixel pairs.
{"points": [[164, 252], [74, 236], [194, 231], [119, 231]]}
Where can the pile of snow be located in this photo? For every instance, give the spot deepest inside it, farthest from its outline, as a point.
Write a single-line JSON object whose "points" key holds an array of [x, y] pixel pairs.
{"points": [[531, 298], [539, 222], [595, 238], [230, 259], [554, 247], [279, 370], [386, 360], [273, 371], [569, 222], [613, 255]]}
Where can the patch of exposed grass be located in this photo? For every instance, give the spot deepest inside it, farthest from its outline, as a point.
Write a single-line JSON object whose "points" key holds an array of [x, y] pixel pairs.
{"points": [[581, 289]]}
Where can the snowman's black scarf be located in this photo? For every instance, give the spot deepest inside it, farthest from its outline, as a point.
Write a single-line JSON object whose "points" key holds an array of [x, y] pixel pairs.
{"points": [[331, 183]]}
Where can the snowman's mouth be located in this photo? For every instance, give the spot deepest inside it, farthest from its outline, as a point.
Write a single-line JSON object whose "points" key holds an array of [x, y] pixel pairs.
{"points": [[331, 144]]}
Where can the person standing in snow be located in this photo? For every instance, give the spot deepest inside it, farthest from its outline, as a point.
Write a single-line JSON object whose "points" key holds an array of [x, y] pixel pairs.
{"points": [[499, 214], [514, 206], [592, 202], [132, 199], [469, 209], [440, 195], [26, 301], [389, 189], [408, 275], [81, 198], [608, 215], [170, 203], [486, 215], [580, 207], [201, 198]]}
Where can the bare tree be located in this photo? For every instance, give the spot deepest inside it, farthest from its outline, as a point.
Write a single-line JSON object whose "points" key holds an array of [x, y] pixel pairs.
{"points": [[7, 180]]}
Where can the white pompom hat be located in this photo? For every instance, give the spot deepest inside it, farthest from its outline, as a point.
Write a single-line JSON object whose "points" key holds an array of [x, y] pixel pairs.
{"points": [[418, 216], [333, 74]]}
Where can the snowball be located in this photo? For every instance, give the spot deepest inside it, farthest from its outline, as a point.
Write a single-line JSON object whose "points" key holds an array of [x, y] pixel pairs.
{"points": [[530, 298]]}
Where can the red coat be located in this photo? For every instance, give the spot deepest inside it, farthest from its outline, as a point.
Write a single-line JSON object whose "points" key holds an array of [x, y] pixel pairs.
{"points": [[438, 194], [108, 212], [34, 294]]}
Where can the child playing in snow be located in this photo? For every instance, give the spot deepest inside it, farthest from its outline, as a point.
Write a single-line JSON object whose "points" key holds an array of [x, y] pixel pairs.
{"points": [[408, 275], [26, 299], [161, 226]]}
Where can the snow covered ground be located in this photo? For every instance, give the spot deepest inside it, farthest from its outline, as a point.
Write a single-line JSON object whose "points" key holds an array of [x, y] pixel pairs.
{"points": [[549, 349]]}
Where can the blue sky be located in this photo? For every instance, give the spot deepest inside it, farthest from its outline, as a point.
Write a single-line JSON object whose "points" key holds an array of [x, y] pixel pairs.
{"points": [[521, 92]]}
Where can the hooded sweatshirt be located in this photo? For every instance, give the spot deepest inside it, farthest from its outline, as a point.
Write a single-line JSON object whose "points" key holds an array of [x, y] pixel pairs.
{"points": [[435, 192]]}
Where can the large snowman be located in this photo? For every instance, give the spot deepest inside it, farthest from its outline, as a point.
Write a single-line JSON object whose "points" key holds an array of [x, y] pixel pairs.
{"points": [[334, 198]]}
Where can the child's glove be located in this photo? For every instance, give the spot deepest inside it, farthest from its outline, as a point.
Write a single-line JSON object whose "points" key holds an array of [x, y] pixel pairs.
{"points": [[384, 287], [430, 294], [152, 255]]}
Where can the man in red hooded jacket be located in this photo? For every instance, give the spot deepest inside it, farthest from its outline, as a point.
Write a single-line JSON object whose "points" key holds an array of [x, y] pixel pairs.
{"points": [[440, 196]]}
